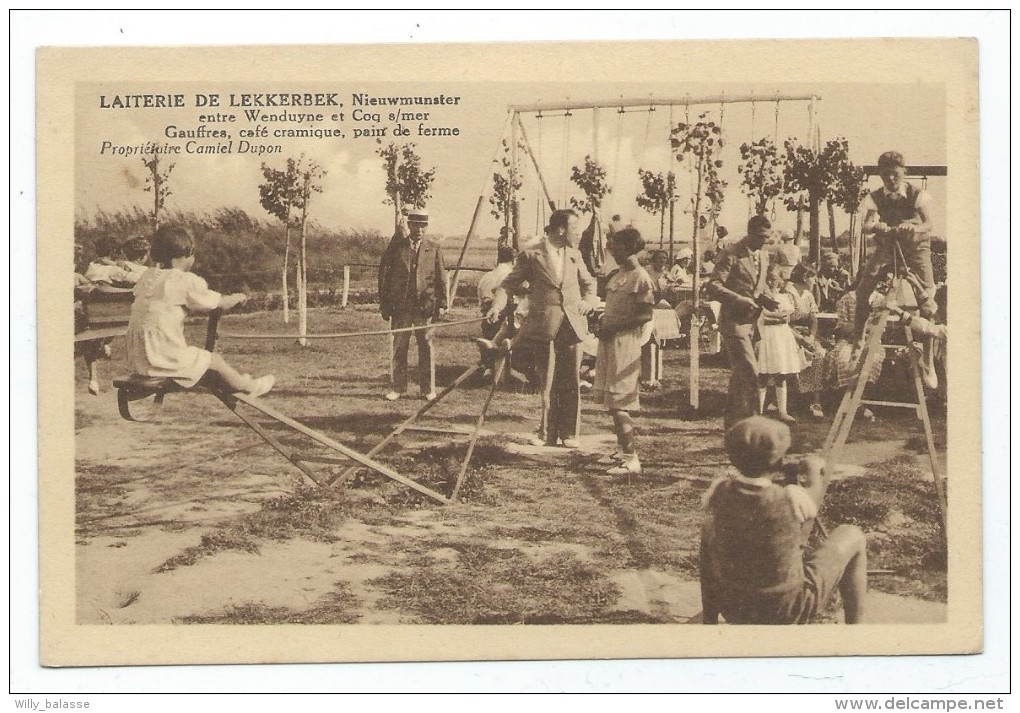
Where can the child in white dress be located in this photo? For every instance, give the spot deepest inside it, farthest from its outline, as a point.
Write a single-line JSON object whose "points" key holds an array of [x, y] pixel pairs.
{"points": [[163, 296], [779, 356]]}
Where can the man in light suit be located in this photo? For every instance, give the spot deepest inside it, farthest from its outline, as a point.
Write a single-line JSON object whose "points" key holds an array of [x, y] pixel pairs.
{"points": [[561, 292], [412, 292], [736, 282]]}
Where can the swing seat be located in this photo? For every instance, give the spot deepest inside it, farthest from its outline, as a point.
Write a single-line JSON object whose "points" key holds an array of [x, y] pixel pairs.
{"points": [[138, 387]]}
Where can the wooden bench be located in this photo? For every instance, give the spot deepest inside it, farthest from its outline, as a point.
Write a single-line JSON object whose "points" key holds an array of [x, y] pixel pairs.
{"points": [[106, 311]]}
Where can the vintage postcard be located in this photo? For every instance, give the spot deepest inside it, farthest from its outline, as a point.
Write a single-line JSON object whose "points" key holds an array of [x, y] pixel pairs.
{"points": [[289, 414]]}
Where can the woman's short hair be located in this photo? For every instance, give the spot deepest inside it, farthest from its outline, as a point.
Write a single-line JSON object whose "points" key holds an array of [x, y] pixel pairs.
{"points": [[630, 239], [171, 241], [136, 248], [560, 218], [105, 246], [802, 271]]}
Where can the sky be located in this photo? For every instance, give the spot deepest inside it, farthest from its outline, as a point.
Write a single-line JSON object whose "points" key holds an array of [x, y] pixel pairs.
{"points": [[872, 117]]}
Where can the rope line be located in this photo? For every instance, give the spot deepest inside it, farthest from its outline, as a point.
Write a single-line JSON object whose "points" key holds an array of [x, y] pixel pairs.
{"points": [[373, 333]]}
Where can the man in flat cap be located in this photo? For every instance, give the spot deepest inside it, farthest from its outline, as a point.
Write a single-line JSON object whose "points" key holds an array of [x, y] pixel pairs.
{"points": [[898, 215], [755, 564], [412, 292]]}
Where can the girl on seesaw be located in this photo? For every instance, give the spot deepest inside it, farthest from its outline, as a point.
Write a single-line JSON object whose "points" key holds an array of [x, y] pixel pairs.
{"points": [[163, 297], [625, 327]]}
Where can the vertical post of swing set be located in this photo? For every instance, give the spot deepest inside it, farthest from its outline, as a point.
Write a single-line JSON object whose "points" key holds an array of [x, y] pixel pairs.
{"points": [[515, 212]]}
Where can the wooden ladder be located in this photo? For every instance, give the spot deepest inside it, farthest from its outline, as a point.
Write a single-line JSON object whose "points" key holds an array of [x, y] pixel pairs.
{"points": [[853, 398]]}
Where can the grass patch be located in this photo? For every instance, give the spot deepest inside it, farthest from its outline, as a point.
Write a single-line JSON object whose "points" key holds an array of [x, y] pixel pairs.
{"points": [[437, 468], [311, 513], [338, 607], [489, 585], [896, 505]]}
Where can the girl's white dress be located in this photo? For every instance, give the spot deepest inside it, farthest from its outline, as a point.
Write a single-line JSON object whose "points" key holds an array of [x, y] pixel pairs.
{"points": [[155, 335], [778, 352]]}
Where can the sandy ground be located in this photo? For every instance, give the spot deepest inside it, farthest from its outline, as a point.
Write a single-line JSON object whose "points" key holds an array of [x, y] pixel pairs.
{"points": [[117, 581]]}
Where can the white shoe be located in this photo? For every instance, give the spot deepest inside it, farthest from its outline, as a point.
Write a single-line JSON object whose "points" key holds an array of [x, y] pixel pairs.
{"points": [[261, 385], [571, 443], [392, 396], [631, 466], [430, 396], [94, 387]]}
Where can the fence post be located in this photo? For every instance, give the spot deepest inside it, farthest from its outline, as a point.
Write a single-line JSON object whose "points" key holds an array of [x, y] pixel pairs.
{"points": [[347, 286], [449, 297]]}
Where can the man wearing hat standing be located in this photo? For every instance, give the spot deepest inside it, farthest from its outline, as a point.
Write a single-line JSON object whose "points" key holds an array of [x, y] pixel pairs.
{"points": [[898, 215], [412, 292], [736, 282]]}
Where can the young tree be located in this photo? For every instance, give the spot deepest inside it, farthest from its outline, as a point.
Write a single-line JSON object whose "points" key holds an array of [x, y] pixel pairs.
{"points": [[699, 143], [285, 194], [406, 183], [814, 174], [157, 183], [847, 190], [592, 181], [505, 184], [279, 195], [805, 180], [310, 175], [761, 172], [658, 188]]}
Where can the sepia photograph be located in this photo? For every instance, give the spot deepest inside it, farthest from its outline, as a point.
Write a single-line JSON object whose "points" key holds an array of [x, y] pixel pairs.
{"points": [[509, 351]]}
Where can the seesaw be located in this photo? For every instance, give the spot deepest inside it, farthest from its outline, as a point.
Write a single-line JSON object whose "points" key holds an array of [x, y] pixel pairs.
{"points": [[134, 390]]}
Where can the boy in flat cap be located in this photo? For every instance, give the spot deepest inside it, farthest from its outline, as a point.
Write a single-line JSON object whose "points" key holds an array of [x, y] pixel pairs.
{"points": [[897, 214], [754, 568], [412, 292]]}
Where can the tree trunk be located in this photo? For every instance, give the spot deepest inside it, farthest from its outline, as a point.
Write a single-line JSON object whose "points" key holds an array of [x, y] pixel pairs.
{"points": [[814, 237], [286, 269], [800, 221], [303, 278], [662, 228], [832, 226]]}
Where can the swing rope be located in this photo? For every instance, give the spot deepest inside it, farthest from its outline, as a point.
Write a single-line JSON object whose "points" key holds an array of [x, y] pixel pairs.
{"points": [[775, 142], [539, 204], [750, 200], [616, 160], [566, 152]]}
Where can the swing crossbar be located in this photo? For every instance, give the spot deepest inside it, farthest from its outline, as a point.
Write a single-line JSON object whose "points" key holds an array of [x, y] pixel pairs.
{"points": [[687, 100]]}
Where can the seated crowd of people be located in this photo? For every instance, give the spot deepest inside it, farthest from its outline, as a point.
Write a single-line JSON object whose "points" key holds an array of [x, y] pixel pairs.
{"points": [[113, 269]]}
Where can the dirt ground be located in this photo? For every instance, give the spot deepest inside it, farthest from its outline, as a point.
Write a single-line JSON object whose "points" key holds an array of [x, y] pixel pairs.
{"points": [[192, 518]]}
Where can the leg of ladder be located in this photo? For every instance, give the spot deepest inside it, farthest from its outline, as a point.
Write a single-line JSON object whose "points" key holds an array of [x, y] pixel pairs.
{"points": [[865, 363], [922, 408]]}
